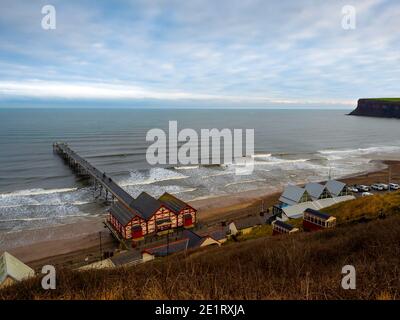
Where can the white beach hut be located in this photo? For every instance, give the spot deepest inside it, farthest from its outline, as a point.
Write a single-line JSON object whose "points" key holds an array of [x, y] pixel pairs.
{"points": [[13, 270]]}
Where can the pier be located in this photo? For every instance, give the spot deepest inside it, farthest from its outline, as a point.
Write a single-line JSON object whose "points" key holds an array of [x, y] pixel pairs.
{"points": [[101, 181]]}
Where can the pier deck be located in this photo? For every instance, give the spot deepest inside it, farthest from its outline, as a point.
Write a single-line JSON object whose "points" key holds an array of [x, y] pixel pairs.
{"points": [[83, 167]]}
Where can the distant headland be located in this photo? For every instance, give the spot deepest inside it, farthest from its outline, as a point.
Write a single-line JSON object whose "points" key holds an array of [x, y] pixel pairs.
{"points": [[378, 107]]}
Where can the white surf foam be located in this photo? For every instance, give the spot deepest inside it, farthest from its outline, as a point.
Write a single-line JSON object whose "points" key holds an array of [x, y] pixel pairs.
{"points": [[34, 192], [155, 175]]}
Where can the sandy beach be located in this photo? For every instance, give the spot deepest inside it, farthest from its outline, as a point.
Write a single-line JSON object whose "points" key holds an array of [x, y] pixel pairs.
{"points": [[79, 242]]}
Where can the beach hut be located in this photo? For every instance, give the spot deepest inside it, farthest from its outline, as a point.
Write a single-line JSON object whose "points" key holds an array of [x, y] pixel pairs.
{"points": [[186, 215], [13, 270], [317, 220], [280, 227]]}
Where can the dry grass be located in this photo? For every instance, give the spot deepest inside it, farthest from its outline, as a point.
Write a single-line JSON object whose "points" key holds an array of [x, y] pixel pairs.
{"points": [[301, 266], [366, 208]]}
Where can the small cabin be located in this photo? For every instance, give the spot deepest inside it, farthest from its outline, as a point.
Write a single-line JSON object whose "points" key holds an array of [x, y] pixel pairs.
{"points": [[280, 227], [13, 270], [317, 220]]}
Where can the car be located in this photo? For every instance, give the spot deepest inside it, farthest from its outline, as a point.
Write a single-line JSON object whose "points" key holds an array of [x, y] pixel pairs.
{"points": [[366, 194], [394, 186], [352, 189], [384, 186], [377, 186], [362, 188]]}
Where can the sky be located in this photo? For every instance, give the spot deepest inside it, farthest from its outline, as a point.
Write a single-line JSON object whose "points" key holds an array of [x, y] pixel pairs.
{"points": [[198, 53]]}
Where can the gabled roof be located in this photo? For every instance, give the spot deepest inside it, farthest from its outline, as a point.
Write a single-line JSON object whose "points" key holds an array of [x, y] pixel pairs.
{"points": [[249, 222], [335, 187], [216, 234], [317, 213], [13, 268], [165, 249], [145, 205], [292, 195], [314, 190], [122, 214], [171, 202], [283, 225], [195, 240]]}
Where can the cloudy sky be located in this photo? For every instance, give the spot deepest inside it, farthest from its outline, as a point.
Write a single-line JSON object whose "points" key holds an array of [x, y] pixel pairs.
{"points": [[228, 53]]}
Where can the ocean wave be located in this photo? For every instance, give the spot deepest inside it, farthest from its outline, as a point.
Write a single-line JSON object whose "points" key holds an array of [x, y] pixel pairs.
{"points": [[47, 218], [35, 192], [38, 204], [186, 167], [332, 154], [186, 190], [154, 175], [245, 182], [261, 155]]}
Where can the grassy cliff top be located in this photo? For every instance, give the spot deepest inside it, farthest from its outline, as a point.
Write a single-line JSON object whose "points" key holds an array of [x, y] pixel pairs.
{"points": [[385, 99]]}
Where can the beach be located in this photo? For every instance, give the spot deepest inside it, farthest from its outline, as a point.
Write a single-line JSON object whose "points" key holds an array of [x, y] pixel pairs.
{"points": [[79, 242]]}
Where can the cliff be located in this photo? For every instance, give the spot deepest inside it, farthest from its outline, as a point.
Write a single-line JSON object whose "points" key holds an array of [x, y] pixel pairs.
{"points": [[384, 108]]}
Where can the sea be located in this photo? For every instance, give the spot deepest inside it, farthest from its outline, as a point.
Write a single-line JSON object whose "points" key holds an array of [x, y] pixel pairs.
{"points": [[38, 190]]}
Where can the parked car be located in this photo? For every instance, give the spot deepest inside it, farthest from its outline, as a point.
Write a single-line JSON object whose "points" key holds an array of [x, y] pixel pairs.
{"points": [[384, 186], [366, 194], [362, 188], [394, 186], [377, 186], [352, 189]]}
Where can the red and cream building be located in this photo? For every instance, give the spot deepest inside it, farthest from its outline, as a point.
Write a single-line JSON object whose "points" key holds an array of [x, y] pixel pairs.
{"points": [[146, 215]]}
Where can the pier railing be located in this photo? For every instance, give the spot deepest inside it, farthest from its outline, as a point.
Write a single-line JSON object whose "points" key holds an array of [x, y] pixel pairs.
{"points": [[101, 180]]}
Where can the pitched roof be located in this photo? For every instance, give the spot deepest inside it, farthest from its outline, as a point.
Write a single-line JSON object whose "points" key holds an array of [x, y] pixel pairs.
{"points": [[145, 205], [165, 249], [216, 234], [14, 268], [122, 214], [318, 213], [249, 222], [173, 203], [314, 189], [292, 194], [195, 240], [296, 211], [283, 225], [335, 187]]}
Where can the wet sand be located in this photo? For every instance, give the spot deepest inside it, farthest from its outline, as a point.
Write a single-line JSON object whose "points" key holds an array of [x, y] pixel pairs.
{"points": [[79, 243]]}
